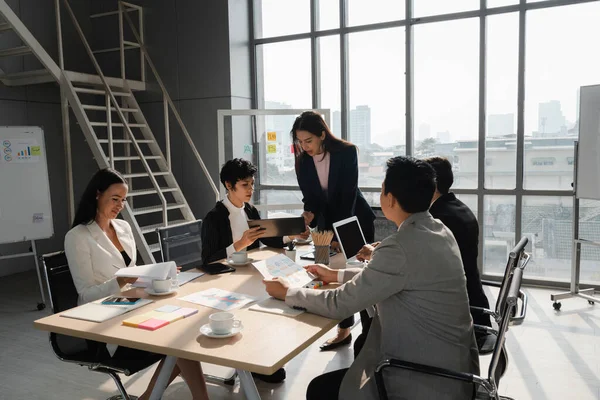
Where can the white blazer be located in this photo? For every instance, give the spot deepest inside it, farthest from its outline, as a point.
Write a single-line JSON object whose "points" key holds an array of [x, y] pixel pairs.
{"points": [[93, 259]]}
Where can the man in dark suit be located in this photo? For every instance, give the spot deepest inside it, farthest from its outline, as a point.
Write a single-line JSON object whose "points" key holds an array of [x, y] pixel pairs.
{"points": [[465, 228]]}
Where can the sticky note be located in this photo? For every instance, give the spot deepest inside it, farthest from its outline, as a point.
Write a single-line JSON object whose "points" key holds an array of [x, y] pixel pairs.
{"points": [[170, 317], [272, 136], [186, 312], [167, 309], [271, 148], [135, 321], [153, 324]]}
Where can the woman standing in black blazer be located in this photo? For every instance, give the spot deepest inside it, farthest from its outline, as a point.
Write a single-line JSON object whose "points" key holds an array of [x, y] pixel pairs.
{"points": [[327, 172]]}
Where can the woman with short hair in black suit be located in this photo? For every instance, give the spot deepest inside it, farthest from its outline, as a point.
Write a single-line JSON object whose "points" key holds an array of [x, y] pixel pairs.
{"points": [[225, 228], [327, 172]]}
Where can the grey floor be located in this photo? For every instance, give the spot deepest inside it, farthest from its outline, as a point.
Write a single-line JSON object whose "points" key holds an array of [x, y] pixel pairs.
{"points": [[552, 356]]}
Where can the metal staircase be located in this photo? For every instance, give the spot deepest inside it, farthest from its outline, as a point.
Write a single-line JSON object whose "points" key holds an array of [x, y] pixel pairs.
{"points": [[115, 127]]}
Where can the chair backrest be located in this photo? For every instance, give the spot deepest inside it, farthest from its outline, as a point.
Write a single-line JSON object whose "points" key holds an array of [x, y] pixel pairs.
{"points": [[182, 244], [499, 361], [64, 296], [513, 262]]}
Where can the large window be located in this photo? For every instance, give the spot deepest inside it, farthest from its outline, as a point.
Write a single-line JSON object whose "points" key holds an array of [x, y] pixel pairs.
{"points": [[477, 86]]}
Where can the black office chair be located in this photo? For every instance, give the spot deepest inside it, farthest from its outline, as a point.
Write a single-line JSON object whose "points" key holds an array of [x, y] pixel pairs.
{"points": [[93, 355], [183, 244], [484, 388], [517, 257]]}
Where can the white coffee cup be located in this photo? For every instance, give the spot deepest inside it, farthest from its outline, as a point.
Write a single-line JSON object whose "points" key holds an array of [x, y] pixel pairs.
{"points": [[162, 285], [239, 257], [291, 254], [222, 323], [354, 264]]}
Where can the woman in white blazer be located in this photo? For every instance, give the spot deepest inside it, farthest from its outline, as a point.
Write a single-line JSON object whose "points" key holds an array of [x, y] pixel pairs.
{"points": [[97, 246]]}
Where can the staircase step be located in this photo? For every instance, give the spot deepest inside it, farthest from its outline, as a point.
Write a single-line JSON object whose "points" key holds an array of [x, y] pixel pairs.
{"points": [[27, 77], [118, 124], [15, 51], [153, 209], [143, 192], [103, 108], [104, 141], [154, 247], [144, 174], [154, 227], [5, 26], [100, 92], [134, 158]]}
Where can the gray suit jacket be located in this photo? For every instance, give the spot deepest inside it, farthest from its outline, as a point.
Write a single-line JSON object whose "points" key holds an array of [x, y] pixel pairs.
{"points": [[417, 283]]}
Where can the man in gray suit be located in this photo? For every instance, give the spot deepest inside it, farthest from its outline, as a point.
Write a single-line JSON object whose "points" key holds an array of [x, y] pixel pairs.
{"points": [[417, 284]]}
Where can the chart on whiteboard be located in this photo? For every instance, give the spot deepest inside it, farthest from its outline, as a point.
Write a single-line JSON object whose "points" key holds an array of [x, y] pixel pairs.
{"points": [[281, 266], [20, 151]]}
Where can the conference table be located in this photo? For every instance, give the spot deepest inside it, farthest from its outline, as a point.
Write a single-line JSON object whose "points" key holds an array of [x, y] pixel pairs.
{"points": [[266, 343]]}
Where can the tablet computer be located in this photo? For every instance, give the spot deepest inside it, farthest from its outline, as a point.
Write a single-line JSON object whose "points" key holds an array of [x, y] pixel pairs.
{"points": [[279, 226], [216, 268]]}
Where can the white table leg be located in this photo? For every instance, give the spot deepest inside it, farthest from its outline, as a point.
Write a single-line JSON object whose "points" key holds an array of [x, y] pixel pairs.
{"points": [[248, 385], [163, 378]]}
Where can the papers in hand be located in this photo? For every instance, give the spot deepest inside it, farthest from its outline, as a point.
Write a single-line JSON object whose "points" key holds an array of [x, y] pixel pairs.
{"points": [[282, 267], [150, 271]]}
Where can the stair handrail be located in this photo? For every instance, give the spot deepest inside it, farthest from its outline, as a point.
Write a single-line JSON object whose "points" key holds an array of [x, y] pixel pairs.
{"points": [[113, 100], [168, 100]]}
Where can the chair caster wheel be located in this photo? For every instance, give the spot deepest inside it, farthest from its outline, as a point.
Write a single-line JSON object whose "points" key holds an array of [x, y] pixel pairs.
{"points": [[590, 302], [557, 305], [41, 306]]}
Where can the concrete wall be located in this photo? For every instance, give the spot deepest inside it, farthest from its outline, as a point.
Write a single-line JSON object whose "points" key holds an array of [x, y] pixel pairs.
{"points": [[200, 49], [39, 105]]}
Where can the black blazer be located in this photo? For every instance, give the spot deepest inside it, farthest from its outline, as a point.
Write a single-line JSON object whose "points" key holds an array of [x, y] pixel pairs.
{"points": [[464, 226], [216, 233], [343, 199]]}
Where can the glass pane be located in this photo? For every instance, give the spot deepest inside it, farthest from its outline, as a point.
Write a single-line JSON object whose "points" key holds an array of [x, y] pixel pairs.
{"points": [[500, 3], [279, 18], [362, 12], [559, 61], [329, 14], [286, 83], [377, 104], [589, 228], [241, 138], [329, 80], [446, 95], [470, 201], [547, 222], [275, 157], [498, 232], [502, 69], [435, 7]]}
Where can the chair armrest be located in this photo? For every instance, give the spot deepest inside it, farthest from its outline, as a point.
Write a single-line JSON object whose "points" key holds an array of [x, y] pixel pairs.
{"points": [[483, 310], [518, 319], [486, 329], [491, 283]]}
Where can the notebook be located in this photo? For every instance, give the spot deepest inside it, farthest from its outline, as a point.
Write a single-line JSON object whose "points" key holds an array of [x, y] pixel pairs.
{"points": [[96, 312], [275, 306], [150, 271]]}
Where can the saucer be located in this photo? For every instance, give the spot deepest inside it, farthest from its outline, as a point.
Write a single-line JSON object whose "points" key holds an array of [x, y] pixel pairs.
{"points": [[248, 261], [206, 331], [151, 291]]}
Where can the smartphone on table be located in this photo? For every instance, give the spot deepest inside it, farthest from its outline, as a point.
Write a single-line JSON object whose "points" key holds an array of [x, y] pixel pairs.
{"points": [[120, 301], [216, 268]]}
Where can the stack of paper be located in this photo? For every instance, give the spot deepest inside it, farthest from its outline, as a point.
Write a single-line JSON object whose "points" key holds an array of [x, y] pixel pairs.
{"points": [[282, 267], [219, 299], [150, 271], [275, 306]]}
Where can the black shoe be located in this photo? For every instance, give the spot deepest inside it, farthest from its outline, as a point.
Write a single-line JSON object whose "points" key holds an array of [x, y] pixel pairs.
{"points": [[277, 377], [330, 346]]}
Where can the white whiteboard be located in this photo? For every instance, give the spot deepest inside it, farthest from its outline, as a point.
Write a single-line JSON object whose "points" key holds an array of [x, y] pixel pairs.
{"points": [[25, 209], [588, 159]]}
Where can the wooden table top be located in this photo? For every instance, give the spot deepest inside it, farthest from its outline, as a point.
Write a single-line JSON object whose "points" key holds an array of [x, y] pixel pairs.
{"points": [[266, 343]]}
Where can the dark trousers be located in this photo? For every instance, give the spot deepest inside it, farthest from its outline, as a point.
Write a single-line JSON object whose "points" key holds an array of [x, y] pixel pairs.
{"points": [[326, 386]]}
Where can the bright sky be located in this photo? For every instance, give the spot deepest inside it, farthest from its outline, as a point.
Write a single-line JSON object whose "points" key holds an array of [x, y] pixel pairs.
{"points": [[559, 59]]}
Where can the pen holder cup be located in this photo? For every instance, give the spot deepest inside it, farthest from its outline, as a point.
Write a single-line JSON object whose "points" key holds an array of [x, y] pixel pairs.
{"points": [[322, 255]]}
